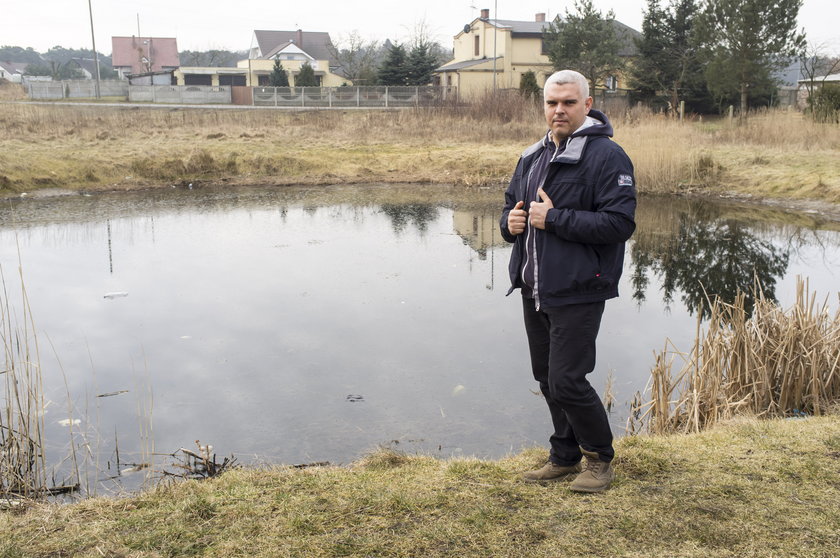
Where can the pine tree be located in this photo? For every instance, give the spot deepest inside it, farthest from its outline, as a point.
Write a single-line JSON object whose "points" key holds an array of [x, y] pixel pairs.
{"points": [[306, 76], [585, 41], [669, 61], [394, 69], [746, 40], [528, 85], [278, 77], [421, 63]]}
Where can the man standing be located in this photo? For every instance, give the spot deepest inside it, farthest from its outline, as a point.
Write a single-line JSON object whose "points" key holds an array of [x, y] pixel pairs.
{"points": [[568, 211]]}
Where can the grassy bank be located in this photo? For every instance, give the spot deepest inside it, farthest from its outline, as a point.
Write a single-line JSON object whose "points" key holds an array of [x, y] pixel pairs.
{"points": [[743, 489], [777, 154]]}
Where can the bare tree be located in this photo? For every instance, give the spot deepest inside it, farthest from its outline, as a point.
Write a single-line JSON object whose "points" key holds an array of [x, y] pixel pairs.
{"points": [[816, 64], [356, 58]]}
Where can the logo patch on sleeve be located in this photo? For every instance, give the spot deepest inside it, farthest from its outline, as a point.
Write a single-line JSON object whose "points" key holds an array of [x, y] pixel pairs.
{"points": [[625, 180]]}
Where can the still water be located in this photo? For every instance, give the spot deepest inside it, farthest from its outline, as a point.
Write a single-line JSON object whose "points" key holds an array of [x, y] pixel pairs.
{"points": [[294, 325]]}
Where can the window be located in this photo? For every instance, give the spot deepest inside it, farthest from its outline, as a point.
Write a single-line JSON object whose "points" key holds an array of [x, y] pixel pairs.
{"points": [[477, 45], [612, 83]]}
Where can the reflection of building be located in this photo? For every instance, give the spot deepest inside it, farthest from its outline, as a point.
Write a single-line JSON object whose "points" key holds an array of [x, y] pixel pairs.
{"points": [[479, 231]]}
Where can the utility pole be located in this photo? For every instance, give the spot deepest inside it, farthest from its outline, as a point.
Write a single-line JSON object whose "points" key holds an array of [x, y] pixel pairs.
{"points": [[495, 34], [95, 54]]}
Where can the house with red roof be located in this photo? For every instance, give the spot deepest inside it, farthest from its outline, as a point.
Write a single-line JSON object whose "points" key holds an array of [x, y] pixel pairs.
{"points": [[144, 55]]}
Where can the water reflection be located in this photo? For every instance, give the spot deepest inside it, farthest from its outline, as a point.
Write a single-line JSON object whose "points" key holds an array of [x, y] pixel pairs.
{"points": [[313, 324], [417, 214], [709, 256]]}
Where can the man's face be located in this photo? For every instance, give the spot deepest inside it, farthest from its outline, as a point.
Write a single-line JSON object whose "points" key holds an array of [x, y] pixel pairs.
{"points": [[565, 109]]}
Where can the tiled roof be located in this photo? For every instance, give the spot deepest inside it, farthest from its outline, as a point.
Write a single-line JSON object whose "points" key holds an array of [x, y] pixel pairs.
{"points": [[14, 67], [314, 43], [519, 28]]}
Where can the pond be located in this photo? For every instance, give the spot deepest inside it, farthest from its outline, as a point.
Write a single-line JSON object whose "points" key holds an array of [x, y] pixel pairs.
{"points": [[298, 325]]}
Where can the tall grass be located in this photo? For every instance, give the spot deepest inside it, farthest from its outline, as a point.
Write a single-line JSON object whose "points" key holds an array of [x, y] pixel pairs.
{"points": [[22, 462], [773, 363], [476, 141]]}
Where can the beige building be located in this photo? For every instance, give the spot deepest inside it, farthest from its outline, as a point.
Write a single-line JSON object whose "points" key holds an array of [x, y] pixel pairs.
{"points": [[494, 53], [292, 48]]}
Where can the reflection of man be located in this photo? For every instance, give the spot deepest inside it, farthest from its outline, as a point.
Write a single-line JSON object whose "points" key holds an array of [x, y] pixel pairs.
{"points": [[568, 210]]}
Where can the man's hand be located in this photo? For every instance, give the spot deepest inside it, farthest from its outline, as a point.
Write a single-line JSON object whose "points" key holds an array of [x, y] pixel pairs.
{"points": [[540, 209], [516, 218]]}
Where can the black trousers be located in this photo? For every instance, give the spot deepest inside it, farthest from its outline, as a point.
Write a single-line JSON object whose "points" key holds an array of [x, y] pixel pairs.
{"points": [[562, 344]]}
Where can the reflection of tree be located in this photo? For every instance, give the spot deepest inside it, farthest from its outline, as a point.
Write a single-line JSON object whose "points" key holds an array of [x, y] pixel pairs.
{"points": [[710, 258], [421, 214]]}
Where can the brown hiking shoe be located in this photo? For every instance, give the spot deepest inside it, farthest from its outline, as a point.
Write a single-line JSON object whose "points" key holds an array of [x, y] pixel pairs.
{"points": [[550, 472], [596, 476]]}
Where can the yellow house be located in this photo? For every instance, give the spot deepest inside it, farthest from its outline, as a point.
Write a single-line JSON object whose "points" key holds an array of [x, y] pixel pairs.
{"points": [[293, 49], [494, 53]]}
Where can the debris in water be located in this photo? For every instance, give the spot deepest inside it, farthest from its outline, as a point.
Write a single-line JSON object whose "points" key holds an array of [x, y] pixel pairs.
{"points": [[118, 294], [355, 398], [457, 389], [113, 393], [201, 464], [136, 467]]}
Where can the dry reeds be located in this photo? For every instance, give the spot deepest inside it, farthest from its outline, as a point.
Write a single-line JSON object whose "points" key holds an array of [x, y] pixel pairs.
{"points": [[773, 363], [23, 469]]}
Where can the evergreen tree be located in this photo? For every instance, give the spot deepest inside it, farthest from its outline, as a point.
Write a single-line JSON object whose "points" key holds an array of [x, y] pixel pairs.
{"points": [[394, 69], [528, 85], [746, 40], [278, 77], [669, 61], [420, 64], [306, 76], [585, 41]]}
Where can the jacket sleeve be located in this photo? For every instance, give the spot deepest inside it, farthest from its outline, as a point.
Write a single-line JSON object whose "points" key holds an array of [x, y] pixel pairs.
{"points": [[611, 219], [511, 195]]}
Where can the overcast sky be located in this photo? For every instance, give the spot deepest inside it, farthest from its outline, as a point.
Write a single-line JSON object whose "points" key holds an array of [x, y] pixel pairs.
{"points": [[205, 25]]}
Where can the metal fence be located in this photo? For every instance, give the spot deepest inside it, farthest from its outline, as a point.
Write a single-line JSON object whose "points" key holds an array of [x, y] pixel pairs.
{"points": [[180, 94], [377, 96], [75, 89]]}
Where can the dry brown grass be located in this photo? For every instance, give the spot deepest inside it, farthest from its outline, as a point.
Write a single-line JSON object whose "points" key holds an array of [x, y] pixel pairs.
{"points": [[11, 91], [777, 153], [773, 363]]}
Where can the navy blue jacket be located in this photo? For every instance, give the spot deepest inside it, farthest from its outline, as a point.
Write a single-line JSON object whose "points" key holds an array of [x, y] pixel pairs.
{"points": [[580, 254]]}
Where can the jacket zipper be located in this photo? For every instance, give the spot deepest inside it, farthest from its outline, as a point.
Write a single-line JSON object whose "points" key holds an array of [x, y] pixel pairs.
{"points": [[531, 231]]}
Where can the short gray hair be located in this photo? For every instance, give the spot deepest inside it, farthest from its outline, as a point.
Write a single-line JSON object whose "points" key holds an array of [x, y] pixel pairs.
{"points": [[568, 76]]}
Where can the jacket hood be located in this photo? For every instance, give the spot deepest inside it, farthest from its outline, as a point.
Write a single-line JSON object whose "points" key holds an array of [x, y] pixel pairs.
{"points": [[597, 125]]}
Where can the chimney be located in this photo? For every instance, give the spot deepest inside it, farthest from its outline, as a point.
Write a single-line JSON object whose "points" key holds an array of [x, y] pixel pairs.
{"points": [[541, 17], [485, 13], [299, 41]]}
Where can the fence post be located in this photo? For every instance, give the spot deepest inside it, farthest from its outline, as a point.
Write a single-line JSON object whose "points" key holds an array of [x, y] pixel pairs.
{"points": [[329, 94], [386, 96], [358, 96], [682, 110]]}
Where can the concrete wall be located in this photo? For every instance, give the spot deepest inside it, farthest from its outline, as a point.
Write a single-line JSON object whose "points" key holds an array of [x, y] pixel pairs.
{"points": [[381, 96], [75, 89], [178, 94]]}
